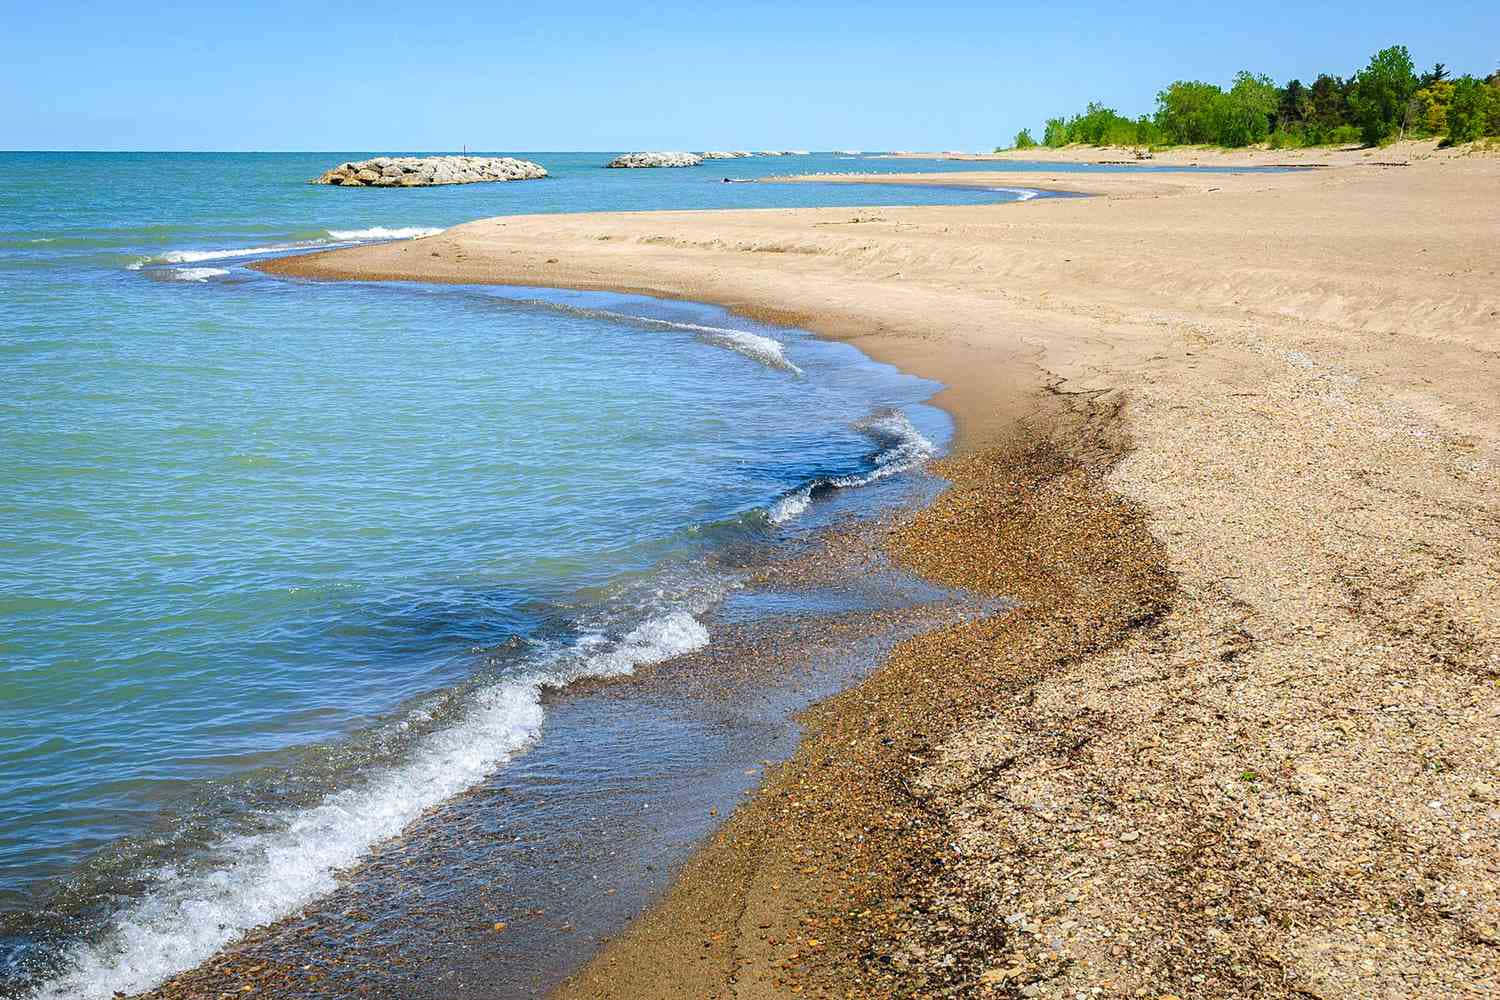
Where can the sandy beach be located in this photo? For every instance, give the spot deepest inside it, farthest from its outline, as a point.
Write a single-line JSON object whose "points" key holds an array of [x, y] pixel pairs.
{"points": [[1231, 441]]}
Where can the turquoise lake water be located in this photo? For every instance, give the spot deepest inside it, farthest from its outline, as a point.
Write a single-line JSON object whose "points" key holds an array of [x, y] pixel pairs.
{"points": [[284, 564]]}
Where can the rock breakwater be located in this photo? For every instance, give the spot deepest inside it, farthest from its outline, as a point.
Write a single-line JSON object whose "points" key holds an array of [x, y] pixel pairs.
{"points": [[425, 171], [628, 160]]}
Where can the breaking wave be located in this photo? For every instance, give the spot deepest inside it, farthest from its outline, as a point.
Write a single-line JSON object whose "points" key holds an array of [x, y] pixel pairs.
{"points": [[195, 256], [902, 448], [769, 352], [1022, 194], [766, 350], [384, 233], [262, 877], [335, 238], [197, 273]]}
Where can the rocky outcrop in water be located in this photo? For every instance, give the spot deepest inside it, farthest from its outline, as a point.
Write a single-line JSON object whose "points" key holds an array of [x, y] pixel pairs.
{"points": [[424, 171], [656, 160], [720, 154]]}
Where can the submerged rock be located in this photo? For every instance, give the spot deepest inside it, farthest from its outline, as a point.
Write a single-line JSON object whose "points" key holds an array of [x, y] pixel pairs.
{"points": [[423, 171], [656, 160]]}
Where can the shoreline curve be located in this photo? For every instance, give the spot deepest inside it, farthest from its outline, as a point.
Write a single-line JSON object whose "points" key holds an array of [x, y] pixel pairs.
{"points": [[1203, 423]]}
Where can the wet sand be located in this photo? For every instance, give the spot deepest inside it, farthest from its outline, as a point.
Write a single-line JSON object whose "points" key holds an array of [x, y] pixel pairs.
{"points": [[1231, 441]]}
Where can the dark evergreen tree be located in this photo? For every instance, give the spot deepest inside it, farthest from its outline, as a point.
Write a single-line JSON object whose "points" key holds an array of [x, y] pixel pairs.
{"points": [[1330, 106], [1437, 74], [1292, 105]]}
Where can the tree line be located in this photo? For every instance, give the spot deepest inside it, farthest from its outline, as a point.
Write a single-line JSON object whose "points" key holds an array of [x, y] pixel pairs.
{"points": [[1386, 99]]}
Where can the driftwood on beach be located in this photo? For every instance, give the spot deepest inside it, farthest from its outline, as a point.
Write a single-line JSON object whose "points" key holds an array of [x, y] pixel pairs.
{"points": [[425, 171]]}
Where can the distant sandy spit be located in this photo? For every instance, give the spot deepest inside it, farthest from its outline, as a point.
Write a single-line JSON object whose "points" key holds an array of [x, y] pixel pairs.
{"points": [[1232, 440]]}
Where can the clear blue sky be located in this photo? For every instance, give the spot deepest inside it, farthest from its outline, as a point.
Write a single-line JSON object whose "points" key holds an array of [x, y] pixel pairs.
{"points": [[412, 75]]}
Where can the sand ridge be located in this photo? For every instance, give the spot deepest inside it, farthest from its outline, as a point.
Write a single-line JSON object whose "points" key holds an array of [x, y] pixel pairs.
{"points": [[1232, 441]]}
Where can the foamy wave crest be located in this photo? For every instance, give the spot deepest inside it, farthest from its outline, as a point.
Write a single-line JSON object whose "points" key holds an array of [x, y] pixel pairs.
{"points": [[902, 448], [1022, 194], [763, 349], [383, 233], [769, 352], [197, 273], [195, 256], [337, 237], [766, 350], [791, 506], [266, 876], [654, 641]]}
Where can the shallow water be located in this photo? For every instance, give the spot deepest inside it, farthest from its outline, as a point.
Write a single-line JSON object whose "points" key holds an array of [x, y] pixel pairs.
{"points": [[285, 565]]}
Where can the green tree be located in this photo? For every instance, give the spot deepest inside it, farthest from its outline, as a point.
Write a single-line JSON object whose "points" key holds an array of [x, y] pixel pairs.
{"points": [[1329, 97], [1383, 98], [1429, 108], [1437, 74], [1469, 111], [1186, 111], [1024, 140], [1099, 125], [1247, 111], [1293, 104], [1381, 92]]}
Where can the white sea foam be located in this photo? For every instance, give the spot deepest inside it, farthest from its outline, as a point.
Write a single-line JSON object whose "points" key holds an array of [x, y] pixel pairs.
{"points": [[903, 448], [790, 506], [195, 256], [769, 352], [1022, 194], [766, 350], [336, 237], [266, 876], [383, 233], [197, 273], [653, 641]]}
